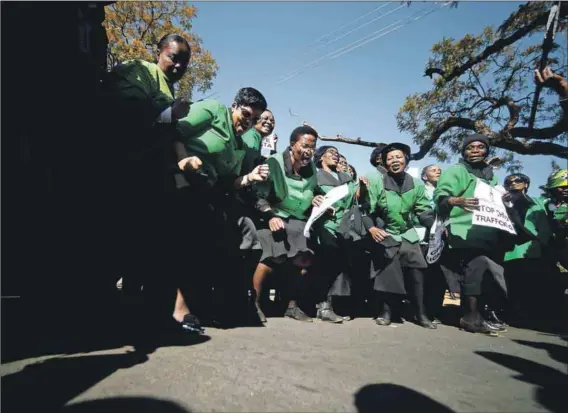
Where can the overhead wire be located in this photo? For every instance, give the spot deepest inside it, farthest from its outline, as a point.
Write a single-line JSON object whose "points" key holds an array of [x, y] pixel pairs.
{"points": [[310, 48], [360, 42], [359, 27], [410, 20], [348, 23]]}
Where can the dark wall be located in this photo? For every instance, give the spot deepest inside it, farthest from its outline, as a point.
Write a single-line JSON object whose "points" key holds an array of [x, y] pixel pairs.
{"points": [[53, 59]]}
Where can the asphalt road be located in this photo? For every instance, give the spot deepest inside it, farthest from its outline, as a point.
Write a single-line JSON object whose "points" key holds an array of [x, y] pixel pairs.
{"points": [[291, 366]]}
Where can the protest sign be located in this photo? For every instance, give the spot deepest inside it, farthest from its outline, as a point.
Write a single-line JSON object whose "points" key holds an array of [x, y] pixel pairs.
{"points": [[491, 212], [330, 198], [435, 243]]}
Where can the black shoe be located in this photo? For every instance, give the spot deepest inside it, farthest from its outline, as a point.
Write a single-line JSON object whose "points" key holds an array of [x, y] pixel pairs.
{"points": [[494, 319], [325, 313], [191, 324], [500, 328], [425, 322], [297, 314], [479, 327]]}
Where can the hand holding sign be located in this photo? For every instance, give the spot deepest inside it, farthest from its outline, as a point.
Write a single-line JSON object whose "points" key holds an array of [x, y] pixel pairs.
{"points": [[469, 204]]}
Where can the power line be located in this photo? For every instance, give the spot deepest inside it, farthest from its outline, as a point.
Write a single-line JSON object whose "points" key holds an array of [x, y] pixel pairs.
{"points": [[310, 48], [359, 27], [365, 39], [348, 23], [313, 63], [410, 20]]}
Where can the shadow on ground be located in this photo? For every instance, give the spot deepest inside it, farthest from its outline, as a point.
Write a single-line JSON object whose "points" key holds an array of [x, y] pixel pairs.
{"points": [[555, 351], [388, 397], [552, 384], [50, 384], [126, 405]]}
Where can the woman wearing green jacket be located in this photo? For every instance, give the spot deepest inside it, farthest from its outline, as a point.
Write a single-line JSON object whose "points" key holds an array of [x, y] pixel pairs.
{"points": [[141, 112], [474, 250], [398, 198], [332, 254], [210, 152], [284, 201]]}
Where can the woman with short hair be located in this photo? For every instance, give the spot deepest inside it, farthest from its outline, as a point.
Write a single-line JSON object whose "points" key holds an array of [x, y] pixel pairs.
{"points": [[285, 201], [400, 198]]}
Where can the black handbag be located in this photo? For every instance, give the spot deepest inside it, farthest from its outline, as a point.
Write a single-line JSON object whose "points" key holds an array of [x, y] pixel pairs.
{"points": [[351, 226]]}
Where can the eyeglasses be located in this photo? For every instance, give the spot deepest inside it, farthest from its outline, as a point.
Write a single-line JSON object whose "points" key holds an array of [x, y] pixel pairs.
{"points": [[516, 181], [247, 115]]}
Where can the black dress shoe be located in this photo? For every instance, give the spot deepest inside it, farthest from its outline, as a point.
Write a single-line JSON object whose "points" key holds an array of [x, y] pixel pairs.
{"points": [[297, 314], [500, 328], [425, 322], [383, 320], [325, 313], [479, 327], [191, 324]]}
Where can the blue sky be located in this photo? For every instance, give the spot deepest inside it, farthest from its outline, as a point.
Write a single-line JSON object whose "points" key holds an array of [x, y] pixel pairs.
{"points": [[357, 94]]}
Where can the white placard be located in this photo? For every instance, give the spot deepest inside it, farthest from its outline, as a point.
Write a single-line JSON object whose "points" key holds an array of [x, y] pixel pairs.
{"points": [[268, 145], [330, 198], [491, 212], [436, 244]]}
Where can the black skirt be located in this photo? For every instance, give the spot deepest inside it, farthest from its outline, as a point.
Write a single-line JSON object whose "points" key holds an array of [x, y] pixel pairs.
{"points": [[391, 278], [285, 244]]}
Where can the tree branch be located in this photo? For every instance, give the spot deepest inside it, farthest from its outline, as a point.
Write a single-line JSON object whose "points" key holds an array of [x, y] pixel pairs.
{"points": [[499, 45], [449, 123], [354, 141]]}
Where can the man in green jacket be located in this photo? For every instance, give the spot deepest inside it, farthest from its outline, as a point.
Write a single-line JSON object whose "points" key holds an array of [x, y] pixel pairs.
{"points": [[474, 250]]}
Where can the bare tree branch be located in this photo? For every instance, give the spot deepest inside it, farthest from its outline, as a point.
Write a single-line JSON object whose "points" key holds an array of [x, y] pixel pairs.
{"points": [[499, 45], [354, 141]]}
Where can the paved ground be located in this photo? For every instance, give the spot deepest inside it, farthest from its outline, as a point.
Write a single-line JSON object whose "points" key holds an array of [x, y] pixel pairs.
{"points": [[290, 366]]}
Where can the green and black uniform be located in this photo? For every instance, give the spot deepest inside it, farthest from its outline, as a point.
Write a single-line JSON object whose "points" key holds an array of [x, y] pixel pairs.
{"points": [[138, 172], [400, 199], [209, 211], [473, 249], [289, 197], [332, 255], [530, 267]]}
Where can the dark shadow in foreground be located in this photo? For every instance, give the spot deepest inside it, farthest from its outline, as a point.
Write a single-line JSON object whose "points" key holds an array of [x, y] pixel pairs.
{"points": [[390, 397], [552, 384], [126, 405], [555, 351], [49, 385]]}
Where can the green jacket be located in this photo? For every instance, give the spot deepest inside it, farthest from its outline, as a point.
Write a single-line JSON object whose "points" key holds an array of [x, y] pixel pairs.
{"points": [[375, 189], [458, 180], [145, 84], [285, 194], [398, 203], [252, 139], [536, 222], [208, 133], [326, 182]]}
